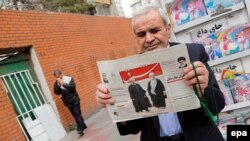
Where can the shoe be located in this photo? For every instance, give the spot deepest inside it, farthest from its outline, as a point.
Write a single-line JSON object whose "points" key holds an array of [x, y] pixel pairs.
{"points": [[80, 133]]}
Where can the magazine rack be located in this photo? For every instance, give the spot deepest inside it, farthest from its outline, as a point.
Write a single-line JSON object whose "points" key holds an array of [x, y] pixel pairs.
{"points": [[239, 14], [181, 32], [206, 18], [228, 59]]}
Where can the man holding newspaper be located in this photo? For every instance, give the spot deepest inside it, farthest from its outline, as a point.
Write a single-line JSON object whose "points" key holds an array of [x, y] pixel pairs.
{"points": [[153, 32]]}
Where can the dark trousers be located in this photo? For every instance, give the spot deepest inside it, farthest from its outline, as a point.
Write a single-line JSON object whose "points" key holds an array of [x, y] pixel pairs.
{"points": [[76, 112]]}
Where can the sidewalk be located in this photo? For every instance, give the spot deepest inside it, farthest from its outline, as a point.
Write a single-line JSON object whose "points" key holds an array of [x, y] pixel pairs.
{"points": [[100, 128]]}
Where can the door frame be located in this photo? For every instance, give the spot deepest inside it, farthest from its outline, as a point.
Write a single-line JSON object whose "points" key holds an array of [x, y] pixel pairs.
{"points": [[42, 81]]}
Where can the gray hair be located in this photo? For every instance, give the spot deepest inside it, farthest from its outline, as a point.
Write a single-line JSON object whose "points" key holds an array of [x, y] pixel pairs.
{"points": [[146, 8], [57, 72]]}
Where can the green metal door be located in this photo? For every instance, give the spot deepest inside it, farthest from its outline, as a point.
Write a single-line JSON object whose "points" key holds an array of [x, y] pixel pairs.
{"points": [[23, 92]]}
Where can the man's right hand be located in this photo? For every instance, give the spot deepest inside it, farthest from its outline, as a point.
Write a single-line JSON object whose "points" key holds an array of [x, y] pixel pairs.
{"points": [[102, 96]]}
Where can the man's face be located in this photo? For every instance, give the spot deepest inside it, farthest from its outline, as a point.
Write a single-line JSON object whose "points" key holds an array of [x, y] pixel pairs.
{"points": [[150, 31], [104, 76], [132, 80], [152, 76], [58, 76], [208, 48], [182, 63]]}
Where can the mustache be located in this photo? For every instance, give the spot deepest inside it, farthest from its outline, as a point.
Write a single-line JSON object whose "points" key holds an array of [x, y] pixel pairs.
{"points": [[147, 45]]}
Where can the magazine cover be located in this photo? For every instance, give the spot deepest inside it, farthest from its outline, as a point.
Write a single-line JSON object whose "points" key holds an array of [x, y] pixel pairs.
{"points": [[225, 88], [206, 34], [183, 11], [234, 66], [243, 117], [247, 119], [217, 7], [230, 119], [241, 88], [234, 39], [148, 84], [211, 46], [240, 118]]}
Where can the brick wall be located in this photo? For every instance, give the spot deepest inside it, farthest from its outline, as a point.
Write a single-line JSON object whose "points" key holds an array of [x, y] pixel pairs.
{"points": [[9, 127], [69, 42]]}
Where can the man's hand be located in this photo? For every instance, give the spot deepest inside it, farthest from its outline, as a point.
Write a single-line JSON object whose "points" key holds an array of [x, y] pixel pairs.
{"points": [[59, 81], [102, 96], [202, 74]]}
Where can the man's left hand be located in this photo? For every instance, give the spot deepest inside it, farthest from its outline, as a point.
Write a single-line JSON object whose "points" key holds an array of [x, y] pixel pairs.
{"points": [[59, 81], [202, 74]]}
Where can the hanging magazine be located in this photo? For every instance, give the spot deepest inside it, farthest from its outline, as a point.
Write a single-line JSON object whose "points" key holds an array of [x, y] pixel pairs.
{"points": [[211, 46], [234, 66], [234, 39], [241, 88], [226, 90], [184, 11], [216, 7], [224, 121], [206, 34], [148, 84]]}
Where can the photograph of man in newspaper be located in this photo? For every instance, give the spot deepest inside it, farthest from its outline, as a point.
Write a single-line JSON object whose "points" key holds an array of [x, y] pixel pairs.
{"points": [[156, 91], [104, 78], [138, 96], [182, 62]]}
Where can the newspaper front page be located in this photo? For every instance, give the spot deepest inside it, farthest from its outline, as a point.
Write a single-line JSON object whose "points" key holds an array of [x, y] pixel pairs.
{"points": [[148, 84]]}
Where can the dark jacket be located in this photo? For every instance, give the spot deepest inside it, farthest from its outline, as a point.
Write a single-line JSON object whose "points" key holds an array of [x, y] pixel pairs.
{"points": [[195, 125], [69, 94], [140, 100], [158, 98]]}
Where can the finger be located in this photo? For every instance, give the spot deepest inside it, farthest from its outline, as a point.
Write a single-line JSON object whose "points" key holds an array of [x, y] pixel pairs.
{"points": [[194, 80], [102, 88], [103, 101], [102, 96], [200, 71], [196, 64], [202, 81]]}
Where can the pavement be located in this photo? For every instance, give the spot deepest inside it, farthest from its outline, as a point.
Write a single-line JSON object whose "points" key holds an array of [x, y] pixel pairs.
{"points": [[100, 128]]}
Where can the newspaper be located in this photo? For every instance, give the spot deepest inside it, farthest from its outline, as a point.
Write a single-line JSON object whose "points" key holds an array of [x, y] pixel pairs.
{"points": [[148, 84]]}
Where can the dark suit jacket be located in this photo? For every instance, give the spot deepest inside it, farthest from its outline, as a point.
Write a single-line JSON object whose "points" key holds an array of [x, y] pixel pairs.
{"points": [[158, 89], [69, 95], [195, 125], [140, 100]]}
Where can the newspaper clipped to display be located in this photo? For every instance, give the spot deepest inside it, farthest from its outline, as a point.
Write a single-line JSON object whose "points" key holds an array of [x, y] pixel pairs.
{"points": [[148, 84]]}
